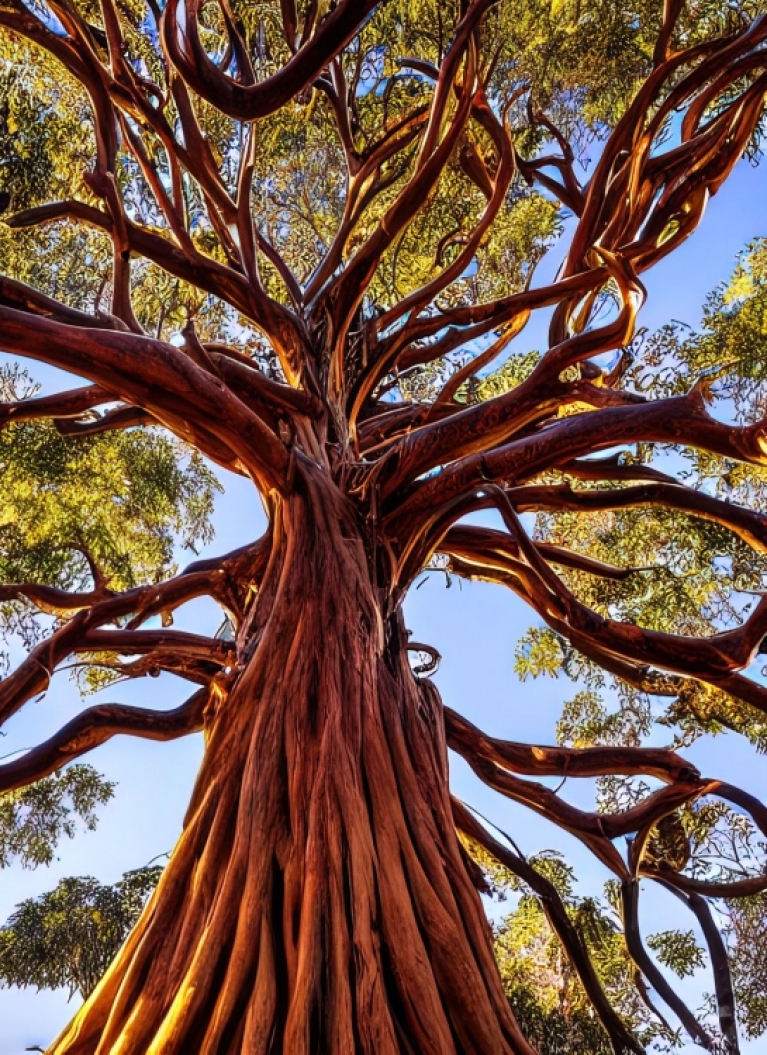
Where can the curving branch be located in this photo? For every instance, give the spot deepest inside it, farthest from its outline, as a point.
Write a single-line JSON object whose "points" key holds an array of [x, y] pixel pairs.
{"points": [[122, 417], [275, 321], [640, 956], [251, 101], [94, 727], [62, 406], [82, 633], [52, 599], [725, 995], [707, 888], [748, 524], [181, 393], [675, 420], [496, 549], [560, 922], [714, 660], [589, 826], [535, 760]]}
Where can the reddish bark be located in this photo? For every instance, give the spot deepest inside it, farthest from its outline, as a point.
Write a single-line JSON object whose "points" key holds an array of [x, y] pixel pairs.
{"points": [[319, 899], [322, 812]]}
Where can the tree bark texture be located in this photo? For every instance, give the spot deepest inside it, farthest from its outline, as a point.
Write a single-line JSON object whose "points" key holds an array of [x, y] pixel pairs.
{"points": [[318, 900]]}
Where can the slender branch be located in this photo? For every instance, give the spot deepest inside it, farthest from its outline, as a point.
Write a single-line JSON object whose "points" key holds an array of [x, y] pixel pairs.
{"points": [[192, 266], [750, 803], [713, 659], [95, 726], [600, 826], [463, 325], [672, 9], [640, 675], [51, 598], [365, 185], [124, 417], [725, 995], [63, 405], [707, 888], [494, 547], [560, 922], [534, 760], [347, 290], [640, 956], [34, 673]]}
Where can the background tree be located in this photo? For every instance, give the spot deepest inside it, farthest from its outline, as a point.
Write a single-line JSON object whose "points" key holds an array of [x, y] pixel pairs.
{"points": [[67, 938], [292, 240]]}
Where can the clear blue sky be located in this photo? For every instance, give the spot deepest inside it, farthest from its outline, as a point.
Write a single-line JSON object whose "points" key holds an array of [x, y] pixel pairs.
{"points": [[473, 625]]}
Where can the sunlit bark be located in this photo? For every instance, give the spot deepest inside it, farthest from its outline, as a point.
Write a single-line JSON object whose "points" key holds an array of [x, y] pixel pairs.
{"points": [[319, 899]]}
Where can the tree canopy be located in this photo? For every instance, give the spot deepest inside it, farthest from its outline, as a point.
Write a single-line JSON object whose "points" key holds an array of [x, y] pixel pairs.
{"points": [[302, 243]]}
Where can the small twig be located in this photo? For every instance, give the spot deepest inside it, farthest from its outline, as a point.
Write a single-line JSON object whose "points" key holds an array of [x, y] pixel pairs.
{"points": [[435, 657]]}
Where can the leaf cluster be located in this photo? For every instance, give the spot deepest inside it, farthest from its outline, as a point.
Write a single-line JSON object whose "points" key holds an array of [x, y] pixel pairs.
{"points": [[68, 937], [35, 818]]}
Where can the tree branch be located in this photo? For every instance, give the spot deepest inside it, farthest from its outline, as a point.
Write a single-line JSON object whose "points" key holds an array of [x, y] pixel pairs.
{"points": [[179, 393], [34, 673], [725, 996], [747, 524], [534, 760], [188, 264], [640, 956], [250, 101], [556, 913], [63, 405], [95, 726], [676, 420]]}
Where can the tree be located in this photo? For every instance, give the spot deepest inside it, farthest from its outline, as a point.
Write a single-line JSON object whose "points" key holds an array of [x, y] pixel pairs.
{"points": [[67, 938], [292, 239]]}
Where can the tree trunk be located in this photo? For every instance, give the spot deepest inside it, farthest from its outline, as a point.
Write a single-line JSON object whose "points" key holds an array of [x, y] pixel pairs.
{"points": [[318, 900]]}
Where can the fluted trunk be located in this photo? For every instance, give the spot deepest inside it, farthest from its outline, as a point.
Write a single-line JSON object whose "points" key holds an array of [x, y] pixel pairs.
{"points": [[318, 900]]}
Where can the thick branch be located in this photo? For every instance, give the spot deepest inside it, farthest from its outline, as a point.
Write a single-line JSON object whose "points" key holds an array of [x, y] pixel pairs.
{"points": [[676, 420], [157, 377], [15, 294], [747, 524], [249, 101]]}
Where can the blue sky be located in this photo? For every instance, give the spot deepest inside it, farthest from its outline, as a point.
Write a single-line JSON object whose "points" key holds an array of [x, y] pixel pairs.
{"points": [[473, 625]]}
